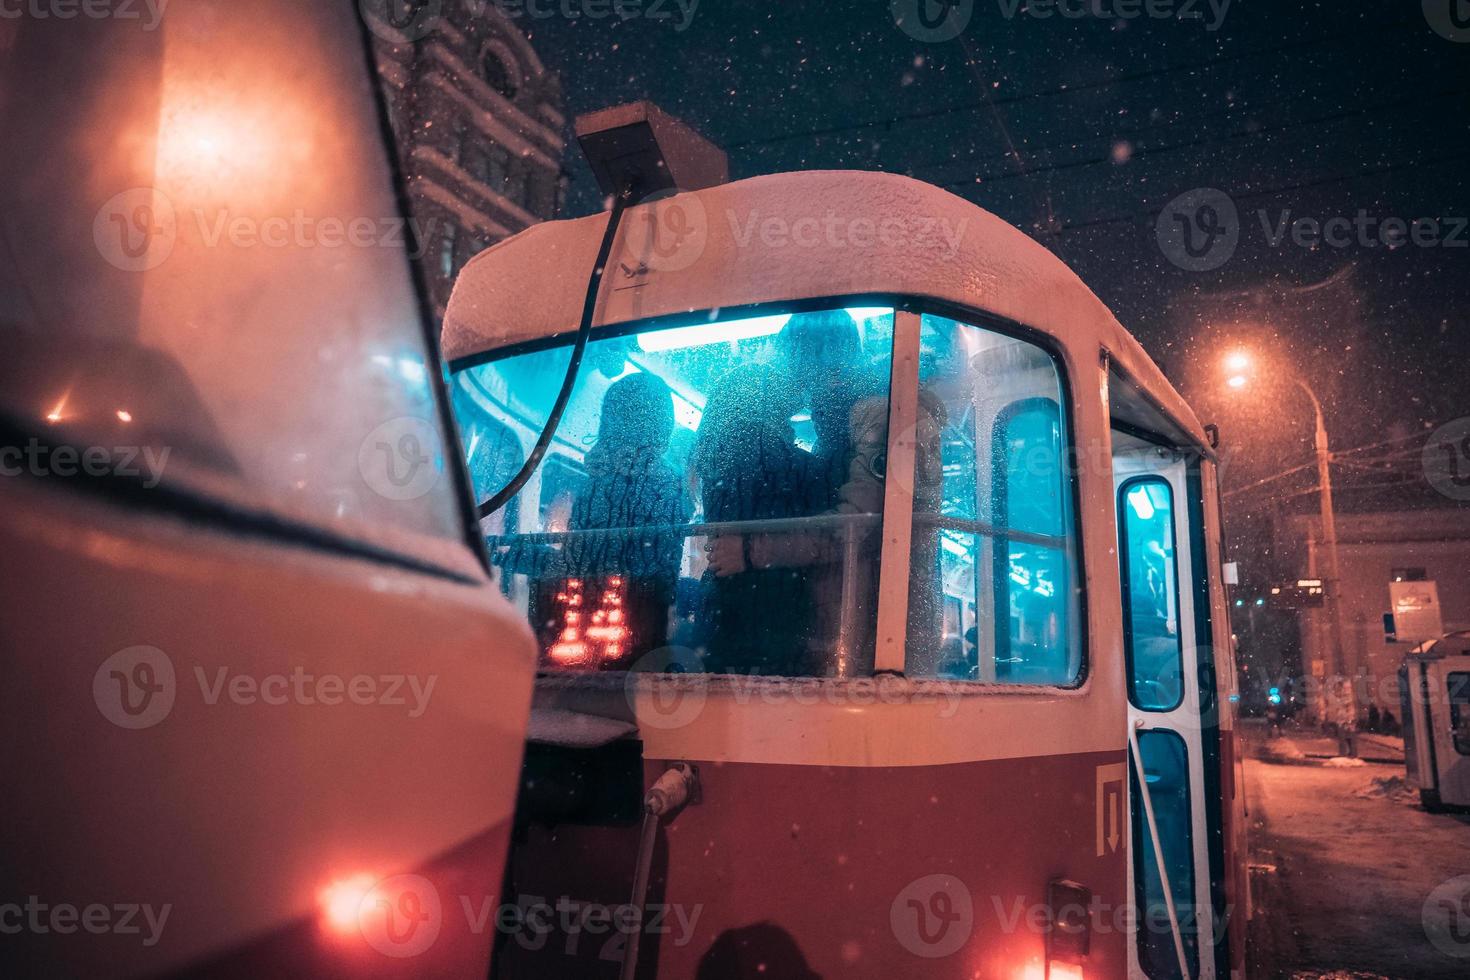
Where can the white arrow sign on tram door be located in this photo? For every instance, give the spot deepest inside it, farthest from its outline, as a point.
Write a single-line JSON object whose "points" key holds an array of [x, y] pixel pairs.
{"points": [[1110, 807]]}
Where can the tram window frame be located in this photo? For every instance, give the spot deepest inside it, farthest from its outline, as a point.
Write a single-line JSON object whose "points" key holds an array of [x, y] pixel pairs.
{"points": [[899, 303], [1124, 511]]}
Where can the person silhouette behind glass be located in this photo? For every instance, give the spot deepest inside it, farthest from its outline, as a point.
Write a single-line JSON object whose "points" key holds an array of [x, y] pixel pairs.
{"points": [[750, 469], [629, 485]]}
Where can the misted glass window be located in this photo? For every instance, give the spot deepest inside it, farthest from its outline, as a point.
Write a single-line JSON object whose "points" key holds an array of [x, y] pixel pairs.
{"points": [[713, 493], [207, 285], [1150, 577], [993, 593]]}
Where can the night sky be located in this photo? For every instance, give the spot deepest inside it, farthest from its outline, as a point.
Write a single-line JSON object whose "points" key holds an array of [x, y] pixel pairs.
{"points": [[1081, 131]]}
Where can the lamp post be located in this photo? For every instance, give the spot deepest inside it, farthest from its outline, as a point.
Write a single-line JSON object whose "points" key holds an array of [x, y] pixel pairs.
{"points": [[1238, 364]]}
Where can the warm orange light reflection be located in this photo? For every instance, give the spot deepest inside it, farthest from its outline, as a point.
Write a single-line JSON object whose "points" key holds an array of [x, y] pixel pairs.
{"points": [[57, 413], [1059, 971], [1236, 381], [124, 415], [341, 899]]}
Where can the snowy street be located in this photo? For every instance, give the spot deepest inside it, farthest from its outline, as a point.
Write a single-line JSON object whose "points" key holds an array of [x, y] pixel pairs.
{"points": [[1343, 863]]}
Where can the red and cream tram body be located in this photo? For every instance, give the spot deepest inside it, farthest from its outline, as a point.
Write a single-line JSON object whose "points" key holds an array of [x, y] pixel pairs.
{"points": [[872, 562]]}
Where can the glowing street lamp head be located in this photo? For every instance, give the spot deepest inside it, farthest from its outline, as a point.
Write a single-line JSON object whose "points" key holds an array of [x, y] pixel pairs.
{"points": [[1238, 366]]}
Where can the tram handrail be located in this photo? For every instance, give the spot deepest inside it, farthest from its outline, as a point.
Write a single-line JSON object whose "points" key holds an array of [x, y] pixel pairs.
{"points": [[818, 522], [986, 529], [1153, 833]]}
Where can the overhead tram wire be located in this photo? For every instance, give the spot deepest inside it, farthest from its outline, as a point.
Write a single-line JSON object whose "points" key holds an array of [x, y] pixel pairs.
{"points": [[1377, 31], [1245, 134], [1114, 136], [1138, 216]]}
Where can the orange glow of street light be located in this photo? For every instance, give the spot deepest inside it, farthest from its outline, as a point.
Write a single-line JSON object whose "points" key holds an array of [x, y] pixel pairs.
{"points": [[1238, 365]]}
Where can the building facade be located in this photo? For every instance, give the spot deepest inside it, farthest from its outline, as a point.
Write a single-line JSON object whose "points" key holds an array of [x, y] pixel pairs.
{"points": [[1375, 550], [479, 124]]}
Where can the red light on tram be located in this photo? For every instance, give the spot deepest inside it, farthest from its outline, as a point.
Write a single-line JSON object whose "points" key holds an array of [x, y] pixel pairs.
{"points": [[341, 900]]}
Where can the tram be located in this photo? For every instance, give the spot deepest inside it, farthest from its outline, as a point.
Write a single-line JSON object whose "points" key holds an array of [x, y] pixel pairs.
{"points": [[876, 576], [246, 610]]}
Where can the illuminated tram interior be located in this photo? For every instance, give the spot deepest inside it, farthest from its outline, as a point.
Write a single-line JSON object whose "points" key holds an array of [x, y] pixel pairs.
{"points": [[715, 493]]}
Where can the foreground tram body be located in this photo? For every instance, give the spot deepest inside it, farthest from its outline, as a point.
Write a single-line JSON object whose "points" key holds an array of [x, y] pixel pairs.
{"points": [[843, 652]]}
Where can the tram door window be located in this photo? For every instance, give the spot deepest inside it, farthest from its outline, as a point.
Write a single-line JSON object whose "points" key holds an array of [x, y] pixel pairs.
{"points": [[712, 501], [1150, 579], [993, 593], [1166, 768]]}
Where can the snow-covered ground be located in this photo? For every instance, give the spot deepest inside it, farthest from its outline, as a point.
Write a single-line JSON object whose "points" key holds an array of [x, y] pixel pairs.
{"points": [[1344, 862]]}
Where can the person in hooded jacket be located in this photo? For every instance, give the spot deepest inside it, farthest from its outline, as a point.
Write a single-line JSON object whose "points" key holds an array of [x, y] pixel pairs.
{"points": [[750, 469], [618, 588], [629, 485]]}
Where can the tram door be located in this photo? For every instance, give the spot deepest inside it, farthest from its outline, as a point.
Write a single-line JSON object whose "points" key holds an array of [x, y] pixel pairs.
{"points": [[1166, 667]]}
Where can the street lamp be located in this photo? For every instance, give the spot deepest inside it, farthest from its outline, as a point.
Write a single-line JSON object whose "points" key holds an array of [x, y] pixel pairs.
{"points": [[1238, 367]]}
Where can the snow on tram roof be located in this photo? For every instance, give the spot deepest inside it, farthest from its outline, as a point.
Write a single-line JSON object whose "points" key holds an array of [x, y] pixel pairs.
{"points": [[785, 237]]}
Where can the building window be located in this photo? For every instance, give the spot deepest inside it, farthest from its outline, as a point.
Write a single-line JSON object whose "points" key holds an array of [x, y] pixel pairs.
{"points": [[499, 71], [446, 252], [499, 167]]}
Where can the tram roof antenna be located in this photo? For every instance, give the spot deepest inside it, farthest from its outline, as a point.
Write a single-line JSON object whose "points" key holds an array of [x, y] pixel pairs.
{"points": [[639, 145]]}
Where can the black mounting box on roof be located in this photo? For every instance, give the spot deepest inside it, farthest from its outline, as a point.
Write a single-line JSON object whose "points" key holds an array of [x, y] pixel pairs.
{"points": [[642, 144]]}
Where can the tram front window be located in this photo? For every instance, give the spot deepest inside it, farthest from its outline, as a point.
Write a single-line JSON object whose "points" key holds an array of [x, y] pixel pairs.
{"points": [[993, 592], [713, 494]]}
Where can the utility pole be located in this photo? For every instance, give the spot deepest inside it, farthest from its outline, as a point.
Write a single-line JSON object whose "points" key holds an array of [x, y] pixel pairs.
{"points": [[1239, 363], [1332, 581]]}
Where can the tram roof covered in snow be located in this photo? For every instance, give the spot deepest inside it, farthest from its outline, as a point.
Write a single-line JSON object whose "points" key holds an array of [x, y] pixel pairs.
{"points": [[791, 237]]}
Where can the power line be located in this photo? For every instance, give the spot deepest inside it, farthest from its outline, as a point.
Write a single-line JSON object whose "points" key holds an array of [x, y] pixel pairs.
{"points": [[1386, 442], [1375, 32], [1115, 135], [1265, 480], [1246, 134], [1268, 192]]}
